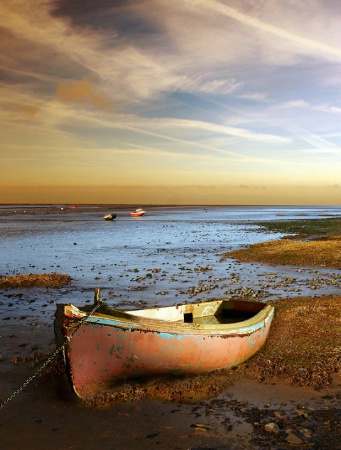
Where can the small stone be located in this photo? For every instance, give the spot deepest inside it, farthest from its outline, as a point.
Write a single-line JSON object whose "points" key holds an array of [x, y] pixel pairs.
{"points": [[272, 428], [293, 438], [306, 432], [302, 413], [201, 426], [279, 415]]}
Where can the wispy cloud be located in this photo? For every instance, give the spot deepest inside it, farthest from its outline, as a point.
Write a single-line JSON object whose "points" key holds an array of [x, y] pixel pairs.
{"points": [[83, 90], [331, 109], [226, 130], [306, 43], [248, 88]]}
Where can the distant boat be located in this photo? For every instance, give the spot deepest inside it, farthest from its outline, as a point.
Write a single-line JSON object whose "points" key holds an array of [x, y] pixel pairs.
{"points": [[138, 213], [110, 217], [102, 349]]}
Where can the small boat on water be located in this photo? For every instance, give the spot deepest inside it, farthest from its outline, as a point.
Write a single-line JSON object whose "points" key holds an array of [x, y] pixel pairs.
{"points": [[110, 217], [103, 349], [139, 212]]}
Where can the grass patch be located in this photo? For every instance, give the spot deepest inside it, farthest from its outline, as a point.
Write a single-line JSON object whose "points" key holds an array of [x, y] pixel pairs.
{"points": [[304, 344], [52, 280], [325, 251], [306, 227], [310, 242]]}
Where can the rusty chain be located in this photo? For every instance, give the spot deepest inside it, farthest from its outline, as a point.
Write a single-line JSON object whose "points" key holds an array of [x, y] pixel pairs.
{"points": [[51, 358]]}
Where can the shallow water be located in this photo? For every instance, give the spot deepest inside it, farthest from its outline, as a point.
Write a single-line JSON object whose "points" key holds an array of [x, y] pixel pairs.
{"points": [[151, 260]]}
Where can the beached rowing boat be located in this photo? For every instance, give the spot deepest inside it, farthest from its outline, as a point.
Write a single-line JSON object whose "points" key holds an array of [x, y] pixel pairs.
{"points": [[103, 349]]}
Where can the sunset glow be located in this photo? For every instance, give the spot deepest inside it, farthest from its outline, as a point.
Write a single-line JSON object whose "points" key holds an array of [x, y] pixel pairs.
{"points": [[181, 102]]}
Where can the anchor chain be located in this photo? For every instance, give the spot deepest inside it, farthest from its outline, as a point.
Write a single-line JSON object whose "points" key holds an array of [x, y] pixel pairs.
{"points": [[53, 356]]}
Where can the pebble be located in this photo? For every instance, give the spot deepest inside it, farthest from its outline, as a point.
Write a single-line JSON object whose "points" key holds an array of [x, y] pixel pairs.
{"points": [[306, 432], [302, 413], [272, 428], [293, 437]]}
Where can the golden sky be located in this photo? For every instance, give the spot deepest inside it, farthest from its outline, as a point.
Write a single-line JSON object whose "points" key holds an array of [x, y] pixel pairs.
{"points": [[159, 102]]}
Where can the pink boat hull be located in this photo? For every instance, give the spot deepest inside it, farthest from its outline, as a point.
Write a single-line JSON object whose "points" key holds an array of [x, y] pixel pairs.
{"points": [[103, 351]]}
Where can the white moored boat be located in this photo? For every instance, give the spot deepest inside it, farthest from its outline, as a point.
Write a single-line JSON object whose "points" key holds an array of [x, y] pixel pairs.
{"points": [[139, 212]]}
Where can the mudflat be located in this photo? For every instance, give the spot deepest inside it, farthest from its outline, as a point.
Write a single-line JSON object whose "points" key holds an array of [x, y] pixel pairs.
{"points": [[288, 395]]}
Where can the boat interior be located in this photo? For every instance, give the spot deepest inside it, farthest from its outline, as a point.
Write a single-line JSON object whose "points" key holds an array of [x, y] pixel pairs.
{"points": [[215, 312]]}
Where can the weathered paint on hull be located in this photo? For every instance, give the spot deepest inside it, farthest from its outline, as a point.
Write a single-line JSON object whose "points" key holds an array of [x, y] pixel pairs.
{"points": [[103, 351]]}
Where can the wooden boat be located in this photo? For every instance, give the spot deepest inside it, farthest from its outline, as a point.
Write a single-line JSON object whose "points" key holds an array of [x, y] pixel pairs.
{"points": [[102, 349], [138, 213], [110, 217]]}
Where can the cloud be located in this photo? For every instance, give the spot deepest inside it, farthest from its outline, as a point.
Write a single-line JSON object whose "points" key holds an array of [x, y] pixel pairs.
{"points": [[331, 109], [219, 83], [252, 188], [308, 44], [79, 90], [255, 96], [295, 104], [29, 111], [230, 131], [182, 46], [208, 84]]}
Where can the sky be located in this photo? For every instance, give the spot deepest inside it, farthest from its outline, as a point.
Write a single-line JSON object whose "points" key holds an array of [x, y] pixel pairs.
{"points": [[203, 102]]}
